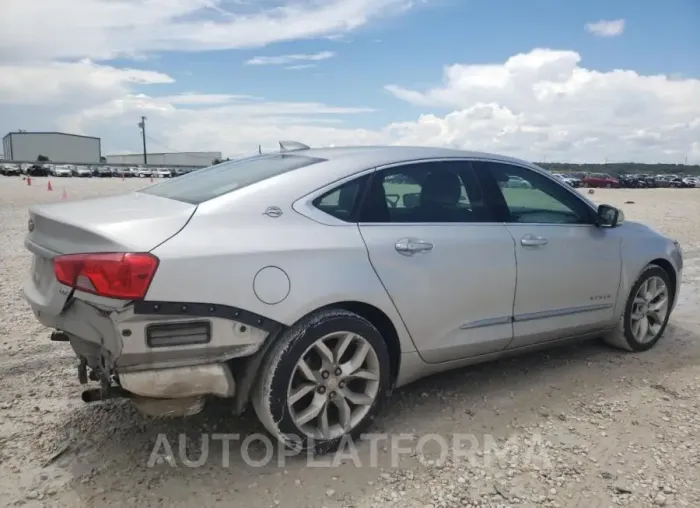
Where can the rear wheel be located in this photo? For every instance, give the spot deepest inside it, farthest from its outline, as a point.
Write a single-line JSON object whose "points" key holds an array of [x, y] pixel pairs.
{"points": [[324, 381], [646, 313]]}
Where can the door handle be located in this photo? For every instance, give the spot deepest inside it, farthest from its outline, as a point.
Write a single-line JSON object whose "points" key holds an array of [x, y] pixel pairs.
{"points": [[410, 246], [533, 241]]}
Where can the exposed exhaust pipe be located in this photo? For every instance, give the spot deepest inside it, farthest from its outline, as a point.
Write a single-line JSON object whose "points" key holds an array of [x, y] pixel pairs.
{"points": [[97, 394]]}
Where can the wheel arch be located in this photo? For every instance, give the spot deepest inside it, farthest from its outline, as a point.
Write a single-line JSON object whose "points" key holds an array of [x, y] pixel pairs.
{"points": [[247, 369], [666, 265]]}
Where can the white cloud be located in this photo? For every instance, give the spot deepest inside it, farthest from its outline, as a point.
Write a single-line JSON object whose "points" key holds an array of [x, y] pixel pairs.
{"points": [[543, 103], [290, 59], [605, 28], [104, 29]]}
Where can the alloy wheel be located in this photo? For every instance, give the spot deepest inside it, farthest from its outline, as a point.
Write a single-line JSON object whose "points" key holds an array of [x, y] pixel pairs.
{"points": [[649, 309], [333, 385]]}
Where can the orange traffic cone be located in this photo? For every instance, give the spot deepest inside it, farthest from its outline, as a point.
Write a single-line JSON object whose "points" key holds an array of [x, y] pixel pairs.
{"points": [[64, 194], [29, 180], [48, 187], [151, 179]]}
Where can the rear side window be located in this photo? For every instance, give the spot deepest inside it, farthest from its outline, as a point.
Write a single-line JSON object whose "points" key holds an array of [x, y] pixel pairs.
{"points": [[205, 184], [342, 201]]}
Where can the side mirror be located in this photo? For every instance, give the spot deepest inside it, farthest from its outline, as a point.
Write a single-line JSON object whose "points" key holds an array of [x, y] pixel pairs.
{"points": [[609, 217]]}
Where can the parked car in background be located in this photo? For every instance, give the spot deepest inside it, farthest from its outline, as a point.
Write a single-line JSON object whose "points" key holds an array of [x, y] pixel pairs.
{"points": [[38, 170], [163, 173], [663, 180], [145, 172], [679, 183], [9, 170], [81, 171], [307, 308], [62, 171], [123, 172], [573, 182], [598, 180], [691, 181], [630, 181], [649, 180], [102, 172]]}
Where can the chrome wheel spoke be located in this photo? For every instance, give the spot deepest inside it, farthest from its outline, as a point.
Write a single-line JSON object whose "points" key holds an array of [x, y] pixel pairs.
{"points": [[342, 346], [312, 411], [358, 359], [659, 305], [363, 374], [306, 371], [301, 391], [344, 412], [323, 424], [359, 399], [324, 352]]}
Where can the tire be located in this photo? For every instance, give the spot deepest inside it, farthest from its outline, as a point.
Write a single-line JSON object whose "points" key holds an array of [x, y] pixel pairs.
{"points": [[623, 337], [608, 186], [279, 371]]}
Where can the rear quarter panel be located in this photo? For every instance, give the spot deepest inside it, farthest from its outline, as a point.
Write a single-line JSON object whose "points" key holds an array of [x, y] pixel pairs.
{"points": [[216, 257]]}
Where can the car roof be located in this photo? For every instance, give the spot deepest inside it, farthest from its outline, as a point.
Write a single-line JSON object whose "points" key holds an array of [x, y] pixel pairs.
{"points": [[372, 156]]}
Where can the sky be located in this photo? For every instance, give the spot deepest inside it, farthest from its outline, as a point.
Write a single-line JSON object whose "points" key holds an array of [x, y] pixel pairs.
{"points": [[544, 80]]}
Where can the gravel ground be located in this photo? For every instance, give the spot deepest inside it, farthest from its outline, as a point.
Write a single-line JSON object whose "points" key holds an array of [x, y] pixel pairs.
{"points": [[578, 426]]}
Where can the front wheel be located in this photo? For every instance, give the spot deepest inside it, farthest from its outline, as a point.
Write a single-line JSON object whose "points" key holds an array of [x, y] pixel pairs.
{"points": [[646, 313], [323, 381]]}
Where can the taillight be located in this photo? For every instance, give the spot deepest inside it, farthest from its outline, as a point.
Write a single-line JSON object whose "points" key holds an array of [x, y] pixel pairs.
{"points": [[119, 275]]}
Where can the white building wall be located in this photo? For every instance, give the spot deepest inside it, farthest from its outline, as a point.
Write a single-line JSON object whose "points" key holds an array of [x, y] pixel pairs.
{"points": [[195, 159], [58, 147]]}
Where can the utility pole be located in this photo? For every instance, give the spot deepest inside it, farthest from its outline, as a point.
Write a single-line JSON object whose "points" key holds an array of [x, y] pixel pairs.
{"points": [[142, 124]]}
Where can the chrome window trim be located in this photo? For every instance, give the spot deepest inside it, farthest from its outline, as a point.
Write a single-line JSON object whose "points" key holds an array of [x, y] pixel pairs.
{"points": [[304, 205]]}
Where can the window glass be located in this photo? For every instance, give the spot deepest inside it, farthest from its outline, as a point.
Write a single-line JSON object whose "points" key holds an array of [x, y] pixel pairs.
{"points": [[442, 191], [533, 198], [341, 202], [205, 184]]}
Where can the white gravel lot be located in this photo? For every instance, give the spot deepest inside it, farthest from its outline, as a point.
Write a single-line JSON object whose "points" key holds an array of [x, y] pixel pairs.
{"points": [[583, 426]]}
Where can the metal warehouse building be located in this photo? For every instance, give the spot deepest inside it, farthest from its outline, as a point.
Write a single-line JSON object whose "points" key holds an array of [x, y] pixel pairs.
{"points": [[194, 159], [57, 146]]}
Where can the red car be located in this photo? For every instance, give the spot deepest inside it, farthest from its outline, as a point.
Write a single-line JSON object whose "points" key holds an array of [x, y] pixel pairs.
{"points": [[600, 180]]}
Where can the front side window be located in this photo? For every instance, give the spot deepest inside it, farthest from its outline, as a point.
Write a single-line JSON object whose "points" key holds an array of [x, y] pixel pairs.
{"points": [[427, 192], [528, 197], [205, 184]]}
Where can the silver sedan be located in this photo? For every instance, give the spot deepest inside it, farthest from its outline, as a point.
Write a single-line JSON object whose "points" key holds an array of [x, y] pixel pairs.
{"points": [[312, 282]]}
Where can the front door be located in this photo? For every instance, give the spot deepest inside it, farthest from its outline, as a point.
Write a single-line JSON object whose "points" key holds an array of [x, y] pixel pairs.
{"points": [[568, 270], [448, 268]]}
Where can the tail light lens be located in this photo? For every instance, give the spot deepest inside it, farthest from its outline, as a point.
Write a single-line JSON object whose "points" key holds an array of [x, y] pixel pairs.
{"points": [[119, 275]]}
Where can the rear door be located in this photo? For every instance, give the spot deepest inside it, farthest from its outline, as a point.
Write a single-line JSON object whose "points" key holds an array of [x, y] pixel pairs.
{"points": [[568, 269], [449, 269]]}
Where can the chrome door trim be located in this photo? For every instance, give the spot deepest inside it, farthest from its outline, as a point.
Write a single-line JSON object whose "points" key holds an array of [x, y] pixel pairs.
{"points": [[482, 323], [519, 318]]}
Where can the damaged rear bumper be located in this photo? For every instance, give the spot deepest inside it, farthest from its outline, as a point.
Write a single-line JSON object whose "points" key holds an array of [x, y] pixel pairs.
{"points": [[166, 357]]}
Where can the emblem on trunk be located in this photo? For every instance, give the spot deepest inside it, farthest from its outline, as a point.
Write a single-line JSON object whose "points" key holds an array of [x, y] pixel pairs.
{"points": [[30, 225]]}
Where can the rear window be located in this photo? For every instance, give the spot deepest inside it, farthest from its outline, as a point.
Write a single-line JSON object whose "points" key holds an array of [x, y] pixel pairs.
{"points": [[205, 184]]}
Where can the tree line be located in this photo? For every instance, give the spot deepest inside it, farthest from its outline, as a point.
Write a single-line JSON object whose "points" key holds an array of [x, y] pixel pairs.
{"points": [[621, 168]]}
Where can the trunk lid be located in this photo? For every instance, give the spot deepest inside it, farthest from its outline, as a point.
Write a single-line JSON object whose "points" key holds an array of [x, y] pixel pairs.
{"points": [[132, 222]]}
